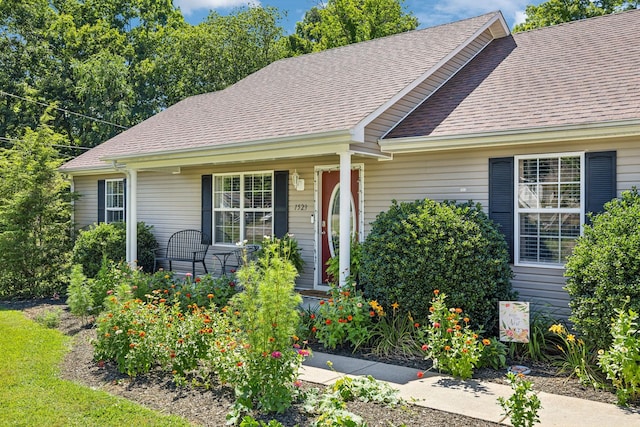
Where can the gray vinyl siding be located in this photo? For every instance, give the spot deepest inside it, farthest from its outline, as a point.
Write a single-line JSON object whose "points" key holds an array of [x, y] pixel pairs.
{"points": [[463, 175], [172, 202], [415, 97], [86, 208]]}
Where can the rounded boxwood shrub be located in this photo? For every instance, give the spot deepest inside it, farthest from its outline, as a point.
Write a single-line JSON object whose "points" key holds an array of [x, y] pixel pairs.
{"points": [[109, 240], [415, 248], [604, 268]]}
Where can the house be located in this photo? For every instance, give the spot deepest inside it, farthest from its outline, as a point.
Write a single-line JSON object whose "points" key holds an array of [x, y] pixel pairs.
{"points": [[540, 127]]}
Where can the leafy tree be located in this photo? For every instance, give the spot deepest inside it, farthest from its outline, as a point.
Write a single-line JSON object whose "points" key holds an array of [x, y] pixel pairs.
{"points": [[342, 22], [217, 52], [120, 61], [35, 216], [554, 12]]}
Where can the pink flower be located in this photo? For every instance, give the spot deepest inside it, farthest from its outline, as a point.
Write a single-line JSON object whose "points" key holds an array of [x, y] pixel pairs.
{"points": [[303, 353], [436, 325], [297, 383], [276, 355], [189, 275]]}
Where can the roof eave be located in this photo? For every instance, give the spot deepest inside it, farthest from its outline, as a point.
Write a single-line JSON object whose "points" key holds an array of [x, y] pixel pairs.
{"points": [[537, 135], [314, 144]]}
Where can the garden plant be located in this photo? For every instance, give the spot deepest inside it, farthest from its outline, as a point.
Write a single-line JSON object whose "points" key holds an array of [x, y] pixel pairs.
{"points": [[415, 248]]}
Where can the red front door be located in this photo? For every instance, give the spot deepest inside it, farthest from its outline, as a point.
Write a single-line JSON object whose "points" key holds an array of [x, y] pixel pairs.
{"points": [[330, 214]]}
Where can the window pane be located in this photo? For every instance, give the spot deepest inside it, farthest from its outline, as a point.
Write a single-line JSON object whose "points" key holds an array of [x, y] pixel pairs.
{"points": [[529, 224], [227, 192], [227, 227], [570, 226], [548, 170], [257, 225], [570, 169], [529, 249], [548, 195], [549, 251], [528, 170], [258, 191], [570, 195], [115, 216], [549, 225], [528, 195]]}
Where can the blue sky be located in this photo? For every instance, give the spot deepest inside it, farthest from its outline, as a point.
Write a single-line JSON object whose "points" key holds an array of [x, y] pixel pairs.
{"points": [[429, 12]]}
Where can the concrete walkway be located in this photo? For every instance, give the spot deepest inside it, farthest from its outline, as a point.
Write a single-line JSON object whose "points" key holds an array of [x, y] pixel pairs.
{"points": [[472, 398]]}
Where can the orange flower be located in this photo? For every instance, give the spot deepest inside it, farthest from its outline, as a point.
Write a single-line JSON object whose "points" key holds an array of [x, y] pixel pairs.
{"points": [[458, 310], [142, 334], [436, 292], [271, 339], [420, 374], [372, 313], [416, 325], [486, 341], [312, 316], [132, 345], [314, 329], [349, 318], [210, 296], [239, 363], [432, 309], [466, 320], [328, 321], [447, 348], [322, 302], [458, 327]]}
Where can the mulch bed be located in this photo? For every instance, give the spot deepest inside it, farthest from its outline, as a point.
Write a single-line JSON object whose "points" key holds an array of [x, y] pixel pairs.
{"points": [[209, 407]]}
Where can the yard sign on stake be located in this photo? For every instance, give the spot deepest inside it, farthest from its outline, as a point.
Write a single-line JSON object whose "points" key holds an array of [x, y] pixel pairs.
{"points": [[514, 321]]}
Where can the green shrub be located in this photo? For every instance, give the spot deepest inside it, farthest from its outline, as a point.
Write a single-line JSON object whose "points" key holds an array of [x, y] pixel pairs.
{"points": [[416, 248], [604, 268], [109, 240], [49, 318]]}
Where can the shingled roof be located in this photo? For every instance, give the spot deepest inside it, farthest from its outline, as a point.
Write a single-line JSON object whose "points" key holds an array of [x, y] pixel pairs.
{"points": [[578, 73], [327, 91]]}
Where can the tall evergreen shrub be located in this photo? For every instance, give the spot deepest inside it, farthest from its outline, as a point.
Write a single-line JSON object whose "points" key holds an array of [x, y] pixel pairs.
{"points": [[415, 248], [35, 216], [604, 268]]}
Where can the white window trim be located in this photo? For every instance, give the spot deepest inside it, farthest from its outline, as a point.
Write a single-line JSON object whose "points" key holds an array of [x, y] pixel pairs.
{"points": [[107, 209], [517, 210], [242, 208]]}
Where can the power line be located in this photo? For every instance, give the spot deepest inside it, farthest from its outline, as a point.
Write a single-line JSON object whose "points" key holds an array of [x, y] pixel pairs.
{"points": [[62, 109], [13, 141]]}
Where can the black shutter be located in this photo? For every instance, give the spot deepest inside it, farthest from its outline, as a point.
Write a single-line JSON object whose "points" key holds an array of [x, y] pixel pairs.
{"points": [[501, 197], [280, 203], [101, 200], [600, 180], [207, 209]]}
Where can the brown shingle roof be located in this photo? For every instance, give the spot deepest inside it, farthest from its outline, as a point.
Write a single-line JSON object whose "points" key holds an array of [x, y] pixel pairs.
{"points": [[321, 92], [575, 73]]}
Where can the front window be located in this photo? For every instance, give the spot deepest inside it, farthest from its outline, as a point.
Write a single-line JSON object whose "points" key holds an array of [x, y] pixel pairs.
{"points": [[243, 207], [549, 207], [114, 203]]}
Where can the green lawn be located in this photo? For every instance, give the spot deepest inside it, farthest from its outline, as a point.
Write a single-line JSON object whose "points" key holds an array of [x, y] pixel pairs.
{"points": [[31, 394]]}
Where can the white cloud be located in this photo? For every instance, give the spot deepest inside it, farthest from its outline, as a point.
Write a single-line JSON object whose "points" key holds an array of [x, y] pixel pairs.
{"points": [[188, 6], [521, 16]]}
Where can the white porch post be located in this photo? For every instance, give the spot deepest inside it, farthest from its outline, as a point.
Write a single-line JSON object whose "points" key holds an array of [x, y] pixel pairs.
{"points": [[345, 217], [132, 217]]}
